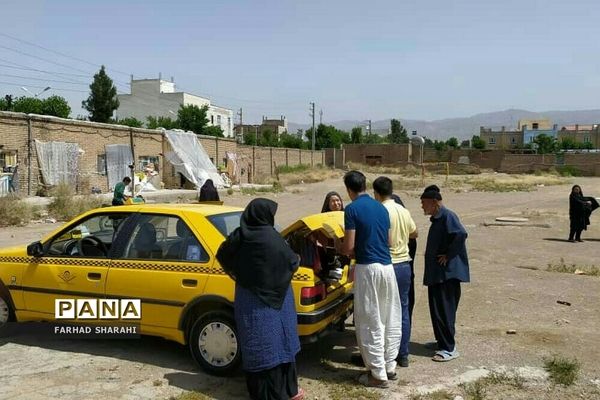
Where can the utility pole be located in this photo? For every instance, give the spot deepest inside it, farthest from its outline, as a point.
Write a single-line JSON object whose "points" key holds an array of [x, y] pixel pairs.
{"points": [[240, 137], [370, 131], [312, 114], [320, 116]]}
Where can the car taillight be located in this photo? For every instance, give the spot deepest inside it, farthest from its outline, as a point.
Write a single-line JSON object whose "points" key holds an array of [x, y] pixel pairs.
{"points": [[313, 294]]}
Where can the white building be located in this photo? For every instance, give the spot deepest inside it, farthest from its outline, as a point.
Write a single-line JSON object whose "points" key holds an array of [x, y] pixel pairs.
{"points": [[158, 98]]}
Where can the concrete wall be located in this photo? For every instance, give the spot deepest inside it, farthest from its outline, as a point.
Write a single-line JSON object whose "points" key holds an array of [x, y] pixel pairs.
{"points": [[93, 137], [374, 154]]}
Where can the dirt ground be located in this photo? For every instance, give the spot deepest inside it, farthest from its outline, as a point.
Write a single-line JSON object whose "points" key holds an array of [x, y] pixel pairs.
{"points": [[510, 290]]}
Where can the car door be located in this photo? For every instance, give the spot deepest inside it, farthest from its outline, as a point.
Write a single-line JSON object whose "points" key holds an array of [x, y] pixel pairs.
{"points": [[164, 264], [74, 263]]}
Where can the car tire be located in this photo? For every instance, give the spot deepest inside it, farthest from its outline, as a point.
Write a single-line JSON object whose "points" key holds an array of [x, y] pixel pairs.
{"points": [[6, 312], [214, 343]]}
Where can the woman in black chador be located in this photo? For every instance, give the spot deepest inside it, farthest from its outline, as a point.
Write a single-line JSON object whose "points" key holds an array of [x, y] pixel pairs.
{"points": [[580, 209]]}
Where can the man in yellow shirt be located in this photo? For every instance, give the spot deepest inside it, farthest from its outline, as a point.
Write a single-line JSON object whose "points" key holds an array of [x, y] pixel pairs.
{"points": [[402, 228]]}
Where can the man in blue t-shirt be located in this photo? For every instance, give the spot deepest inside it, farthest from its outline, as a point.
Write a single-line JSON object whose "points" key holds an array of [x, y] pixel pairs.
{"points": [[377, 309]]}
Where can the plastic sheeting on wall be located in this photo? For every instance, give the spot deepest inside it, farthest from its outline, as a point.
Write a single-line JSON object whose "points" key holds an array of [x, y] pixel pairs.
{"points": [[58, 162], [118, 160], [190, 159]]}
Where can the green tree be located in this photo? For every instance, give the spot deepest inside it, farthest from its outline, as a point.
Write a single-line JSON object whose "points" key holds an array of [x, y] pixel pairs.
{"points": [[328, 136], [161, 122], [250, 138], [268, 138], [102, 101], [374, 139], [440, 145], [477, 142], [130, 121], [545, 144], [57, 106], [192, 118], [452, 142], [6, 103], [428, 143], [292, 141], [398, 133], [356, 135], [213, 131], [29, 105]]}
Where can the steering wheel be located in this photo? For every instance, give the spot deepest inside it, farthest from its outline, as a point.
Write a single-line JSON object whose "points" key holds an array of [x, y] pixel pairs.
{"points": [[94, 241]]}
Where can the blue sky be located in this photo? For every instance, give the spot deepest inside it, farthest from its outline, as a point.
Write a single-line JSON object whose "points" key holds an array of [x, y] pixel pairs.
{"points": [[354, 59]]}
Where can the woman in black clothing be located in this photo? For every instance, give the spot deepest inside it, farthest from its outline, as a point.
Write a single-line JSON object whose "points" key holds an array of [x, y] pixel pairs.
{"points": [[208, 192], [580, 209]]}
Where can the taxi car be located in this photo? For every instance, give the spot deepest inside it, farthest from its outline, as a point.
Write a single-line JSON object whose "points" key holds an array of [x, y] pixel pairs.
{"points": [[164, 255]]}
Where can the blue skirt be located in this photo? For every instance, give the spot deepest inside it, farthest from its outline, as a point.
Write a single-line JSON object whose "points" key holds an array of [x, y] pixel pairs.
{"points": [[268, 337]]}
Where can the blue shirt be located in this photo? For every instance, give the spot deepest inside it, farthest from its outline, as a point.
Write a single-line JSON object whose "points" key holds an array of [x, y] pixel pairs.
{"points": [[371, 221], [447, 237]]}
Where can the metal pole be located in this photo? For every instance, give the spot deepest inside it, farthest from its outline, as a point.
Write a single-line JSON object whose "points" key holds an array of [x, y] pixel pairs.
{"points": [[313, 124], [29, 139]]}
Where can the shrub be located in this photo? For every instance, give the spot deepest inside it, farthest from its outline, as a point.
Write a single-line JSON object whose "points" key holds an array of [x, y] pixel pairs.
{"points": [[14, 211], [562, 371], [65, 206]]}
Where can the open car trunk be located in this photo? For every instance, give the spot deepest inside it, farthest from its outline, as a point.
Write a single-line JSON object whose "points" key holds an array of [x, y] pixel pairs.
{"points": [[312, 237]]}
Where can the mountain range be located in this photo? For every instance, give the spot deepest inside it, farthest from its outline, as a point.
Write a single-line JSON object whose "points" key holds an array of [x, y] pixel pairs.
{"points": [[465, 128]]}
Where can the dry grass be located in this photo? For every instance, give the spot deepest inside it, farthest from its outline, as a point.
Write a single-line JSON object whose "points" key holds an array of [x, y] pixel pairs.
{"points": [[562, 371], [15, 211], [191, 396], [302, 174], [590, 270], [437, 395], [513, 183], [65, 206]]}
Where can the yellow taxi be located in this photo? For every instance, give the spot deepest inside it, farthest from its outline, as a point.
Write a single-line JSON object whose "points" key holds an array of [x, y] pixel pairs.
{"points": [[164, 255]]}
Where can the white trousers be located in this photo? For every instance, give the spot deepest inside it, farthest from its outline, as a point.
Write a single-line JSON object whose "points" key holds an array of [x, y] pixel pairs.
{"points": [[377, 317]]}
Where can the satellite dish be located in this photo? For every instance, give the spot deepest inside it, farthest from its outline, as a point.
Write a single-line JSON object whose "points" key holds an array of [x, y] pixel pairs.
{"points": [[417, 140]]}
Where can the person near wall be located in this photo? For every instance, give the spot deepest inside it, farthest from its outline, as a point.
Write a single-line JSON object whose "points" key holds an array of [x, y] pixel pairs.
{"points": [[260, 261], [119, 196], [377, 309], [446, 266], [13, 179], [580, 209], [402, 228], [412, 251], [208, 192]]}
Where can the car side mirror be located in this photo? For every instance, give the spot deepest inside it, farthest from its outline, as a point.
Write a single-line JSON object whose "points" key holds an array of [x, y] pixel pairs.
{"points": [[35, 249]]}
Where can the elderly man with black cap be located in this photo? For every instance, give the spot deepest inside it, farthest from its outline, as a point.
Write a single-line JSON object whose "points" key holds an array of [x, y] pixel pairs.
{"points": [[446, 266]]}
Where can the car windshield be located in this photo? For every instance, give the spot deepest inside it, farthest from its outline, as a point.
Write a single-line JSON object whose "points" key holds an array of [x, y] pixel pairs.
{"points": [[226, 223]]}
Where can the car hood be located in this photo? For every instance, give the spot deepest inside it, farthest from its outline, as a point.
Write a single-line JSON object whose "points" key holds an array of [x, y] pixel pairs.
{"points": [[329, 223]]}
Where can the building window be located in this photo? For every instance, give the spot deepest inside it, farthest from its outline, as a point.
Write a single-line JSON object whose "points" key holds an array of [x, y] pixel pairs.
{"points": [[492, 140], [229, 122], [513, 140], [212, 119], [8, 159], [101, 164], [586, 139], [219, 120], [148, 161], [535, 125]]}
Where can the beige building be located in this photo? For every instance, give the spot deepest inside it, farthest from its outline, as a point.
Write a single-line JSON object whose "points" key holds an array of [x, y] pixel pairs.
{"points": [[581, 134], [158, 98], [502, 139], [534, 124]]}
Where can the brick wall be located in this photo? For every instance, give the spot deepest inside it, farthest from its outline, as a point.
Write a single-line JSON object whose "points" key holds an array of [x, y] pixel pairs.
{"points": [[377, 153], [93, 137]]}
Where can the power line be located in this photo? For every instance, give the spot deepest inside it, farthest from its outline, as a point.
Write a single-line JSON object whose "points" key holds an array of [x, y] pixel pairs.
{"points": [[50, 61], [59, 53], [43, 87], [24, 68], [44, 79]]}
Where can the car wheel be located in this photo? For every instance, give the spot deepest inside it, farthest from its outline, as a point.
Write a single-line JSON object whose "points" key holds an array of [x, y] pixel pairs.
{"points": [[6, 313], [214, 343]]}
